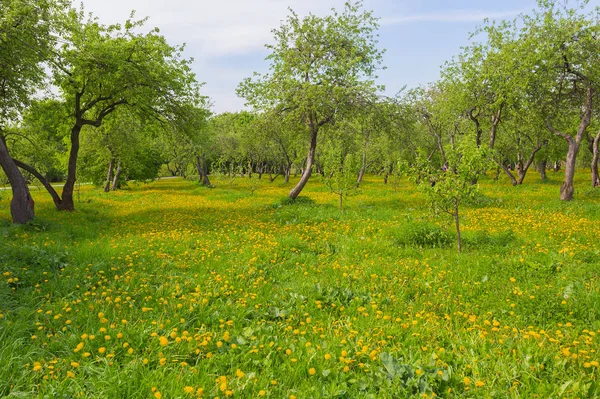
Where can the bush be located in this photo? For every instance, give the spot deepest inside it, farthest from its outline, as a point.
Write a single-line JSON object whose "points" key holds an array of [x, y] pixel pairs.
{"points": [[481, 239], [424, 235], [301, 200]]}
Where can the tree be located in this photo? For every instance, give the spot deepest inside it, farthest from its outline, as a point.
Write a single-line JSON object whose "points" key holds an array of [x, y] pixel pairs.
{"points": [[562, 47], [125, 147], [191, 129], [26, 38], [230, 130], [341, 170], [449, 188], [321, 67], [100, 69]]}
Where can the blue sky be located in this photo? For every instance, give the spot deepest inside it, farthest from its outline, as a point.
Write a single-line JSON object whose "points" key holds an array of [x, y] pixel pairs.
{"points": [[226, 38]]}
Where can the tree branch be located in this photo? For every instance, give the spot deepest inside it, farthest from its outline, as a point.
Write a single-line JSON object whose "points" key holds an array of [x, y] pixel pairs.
{"points": [[41, 178], [556, 132]]}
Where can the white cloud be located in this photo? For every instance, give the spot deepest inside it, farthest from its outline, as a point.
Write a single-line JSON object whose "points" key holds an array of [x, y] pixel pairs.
{"points": [[222, 27], [214, 31], [450, 16]]}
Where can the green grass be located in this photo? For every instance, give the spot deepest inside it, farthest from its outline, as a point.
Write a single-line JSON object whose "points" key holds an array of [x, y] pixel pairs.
{"points": [[190, 291]]}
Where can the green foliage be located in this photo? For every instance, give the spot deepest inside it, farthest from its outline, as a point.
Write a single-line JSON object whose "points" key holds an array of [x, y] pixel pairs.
{"points": [[482, 240], [27, 37], [322, 69], [448, 187], [299, 200], [399, 171], [423, 235], [226, 174], [318, 64]]}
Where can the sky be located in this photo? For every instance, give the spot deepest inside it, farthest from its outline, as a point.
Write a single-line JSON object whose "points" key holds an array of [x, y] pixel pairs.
{"points": [[226, 38]]}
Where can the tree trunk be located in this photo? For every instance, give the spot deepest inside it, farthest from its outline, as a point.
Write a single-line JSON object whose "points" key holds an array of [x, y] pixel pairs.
{"points": [[109, 175], [287, 171], [506, 170], [457, 223], [478, 130], [341, 195], [21, 204], [363, 167], [567, 189], [66, 203], [202, 171], [524, 168], [199, 169], [596, 155], [556, 166], [42, 179], [542, 169], [309, 163], [496, 117], [361, 174], [116, 178], [385, 178], [205, 180]]}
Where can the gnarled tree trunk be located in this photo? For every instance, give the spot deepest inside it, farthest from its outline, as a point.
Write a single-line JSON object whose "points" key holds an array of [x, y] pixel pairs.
{"points": [[66, 201], [308, 168], [524, 167], [21, 204], [596, 155], [567, 189], [457, 225], [287, 170], [109, 175], [542, 169], [202, 170], [115, 182], [496, 117]]}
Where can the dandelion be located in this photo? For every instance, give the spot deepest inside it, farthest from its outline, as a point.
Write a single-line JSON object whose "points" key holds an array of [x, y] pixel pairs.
{"points": [[78, 347]]}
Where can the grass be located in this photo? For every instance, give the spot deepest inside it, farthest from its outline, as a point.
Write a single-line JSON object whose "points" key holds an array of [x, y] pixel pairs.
{"points": [[173, 290]]}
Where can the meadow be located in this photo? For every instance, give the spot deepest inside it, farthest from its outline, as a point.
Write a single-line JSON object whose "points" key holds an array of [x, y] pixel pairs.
{"points": [[172, 290]]}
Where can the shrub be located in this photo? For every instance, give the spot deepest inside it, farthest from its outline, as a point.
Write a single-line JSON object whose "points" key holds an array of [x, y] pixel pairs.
{"points": [[424, 235]]}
